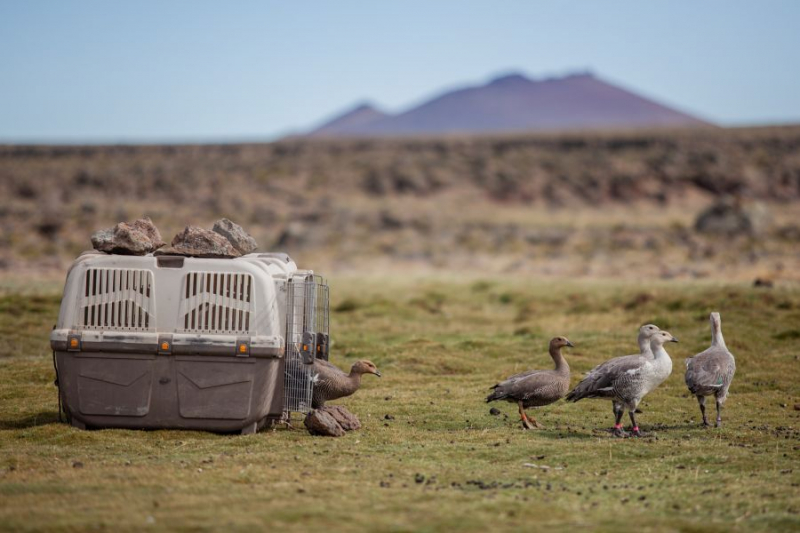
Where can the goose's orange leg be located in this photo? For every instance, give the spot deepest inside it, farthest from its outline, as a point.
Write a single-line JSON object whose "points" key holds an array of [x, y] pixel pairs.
{"points": [[526, 423]]}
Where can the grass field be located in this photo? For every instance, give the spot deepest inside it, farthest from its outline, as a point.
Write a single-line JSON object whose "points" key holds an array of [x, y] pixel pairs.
{"points": [[439, 461]]}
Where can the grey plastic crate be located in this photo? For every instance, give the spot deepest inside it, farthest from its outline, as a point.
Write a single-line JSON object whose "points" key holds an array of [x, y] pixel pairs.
{"points": [[174, 342]]}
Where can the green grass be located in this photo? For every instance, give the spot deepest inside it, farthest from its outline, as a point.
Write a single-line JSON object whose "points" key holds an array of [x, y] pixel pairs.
{"points": [[442, 463]]}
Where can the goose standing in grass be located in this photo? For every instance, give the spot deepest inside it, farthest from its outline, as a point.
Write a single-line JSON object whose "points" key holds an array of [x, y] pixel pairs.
{"points": [[711, 372], [626, 380], [331, 383], [643, 340], [597, 383], [536, 388]]}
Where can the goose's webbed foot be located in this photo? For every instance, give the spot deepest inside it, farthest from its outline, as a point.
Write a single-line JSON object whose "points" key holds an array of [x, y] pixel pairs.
{"points": [[636, 432], [619, 432]]}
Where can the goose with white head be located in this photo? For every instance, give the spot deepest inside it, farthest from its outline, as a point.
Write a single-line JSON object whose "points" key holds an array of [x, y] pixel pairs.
{"points": [[626, 380], [710, 373], [598, 381]]}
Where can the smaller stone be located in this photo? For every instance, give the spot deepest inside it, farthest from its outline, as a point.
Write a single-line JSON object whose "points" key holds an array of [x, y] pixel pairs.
{"points": [[236, 235], [347, 420], [77, 464], [140, 237], [321, 423], [494, 411]]}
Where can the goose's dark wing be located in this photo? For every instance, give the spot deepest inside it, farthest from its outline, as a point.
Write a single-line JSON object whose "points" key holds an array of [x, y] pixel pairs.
{"points": [[599, 382]]}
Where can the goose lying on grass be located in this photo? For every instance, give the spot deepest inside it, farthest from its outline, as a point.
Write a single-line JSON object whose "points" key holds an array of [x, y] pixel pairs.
{"points": [[331, 383], [711, 372], [536, 388], [626, 380]]}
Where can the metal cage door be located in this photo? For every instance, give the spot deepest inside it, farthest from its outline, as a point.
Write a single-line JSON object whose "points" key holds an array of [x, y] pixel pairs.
{"points": [[307, 330]]}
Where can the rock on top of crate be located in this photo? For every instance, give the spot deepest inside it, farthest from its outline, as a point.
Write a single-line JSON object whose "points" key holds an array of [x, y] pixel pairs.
{"points": [[141, 237]]}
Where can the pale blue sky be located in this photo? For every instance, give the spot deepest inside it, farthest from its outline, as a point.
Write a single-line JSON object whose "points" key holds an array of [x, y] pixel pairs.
{"points": [[103, 71]]}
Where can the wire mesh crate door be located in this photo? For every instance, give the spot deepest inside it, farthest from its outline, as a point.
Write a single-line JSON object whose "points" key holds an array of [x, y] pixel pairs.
{"points": [[307, 329], [321, 318], [298, 379]]}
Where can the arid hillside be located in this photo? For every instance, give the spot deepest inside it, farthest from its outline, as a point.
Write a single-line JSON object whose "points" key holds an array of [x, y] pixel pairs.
{"points": [[593, 204]]}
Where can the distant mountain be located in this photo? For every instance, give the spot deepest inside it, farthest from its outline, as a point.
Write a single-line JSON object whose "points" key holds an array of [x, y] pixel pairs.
{"points": [[514, 103], [352, 120]]}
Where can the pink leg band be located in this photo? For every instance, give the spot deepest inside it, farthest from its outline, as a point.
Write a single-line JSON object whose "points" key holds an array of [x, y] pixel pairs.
{"points": [[636, 428], [617, 426]]}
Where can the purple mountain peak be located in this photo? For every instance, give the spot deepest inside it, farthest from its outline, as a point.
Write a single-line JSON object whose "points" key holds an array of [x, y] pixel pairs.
{"points": [[512, 78], [513, 102]]}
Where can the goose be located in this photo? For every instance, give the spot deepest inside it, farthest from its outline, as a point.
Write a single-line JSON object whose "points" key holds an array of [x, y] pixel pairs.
{"points": [[711, 372], [536, 388], [626, 380], [331, 383], [596, 380]]}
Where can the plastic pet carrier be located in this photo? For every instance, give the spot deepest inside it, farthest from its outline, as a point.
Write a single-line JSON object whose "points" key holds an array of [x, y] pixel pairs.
{"points": [[183, 342]]}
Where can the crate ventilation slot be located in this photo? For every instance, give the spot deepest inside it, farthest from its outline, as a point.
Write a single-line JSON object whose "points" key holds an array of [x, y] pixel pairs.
{"points": [[118, 299], [216, 302]]}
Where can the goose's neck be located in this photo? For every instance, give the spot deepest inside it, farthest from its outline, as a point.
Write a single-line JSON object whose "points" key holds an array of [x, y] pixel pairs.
{"points": [[716, 336], [355, 379], [561, 363], [659, 352], [644, 345]]}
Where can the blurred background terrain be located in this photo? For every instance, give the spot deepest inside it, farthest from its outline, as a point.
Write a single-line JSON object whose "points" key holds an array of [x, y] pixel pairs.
{"points": [[693, 203]]}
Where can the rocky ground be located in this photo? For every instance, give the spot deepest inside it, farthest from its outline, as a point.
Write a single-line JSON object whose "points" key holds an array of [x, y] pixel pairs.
{"points": [[648, 204]]}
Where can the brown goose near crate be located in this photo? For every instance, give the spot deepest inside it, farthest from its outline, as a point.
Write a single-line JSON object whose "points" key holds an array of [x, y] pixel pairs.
{"points": [[331, 383], [710, 373], [536, 388]]}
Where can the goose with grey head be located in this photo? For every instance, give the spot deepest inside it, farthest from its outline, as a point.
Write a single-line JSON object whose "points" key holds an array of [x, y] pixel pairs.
{"points": [[710, 372], [331, 382]]}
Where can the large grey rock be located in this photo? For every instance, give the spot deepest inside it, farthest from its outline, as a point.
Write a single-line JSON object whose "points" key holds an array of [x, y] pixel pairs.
{"points": [[140, 237], [347, 420], [323, 423], [727, 217], [194, 241], [236, 235]]}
